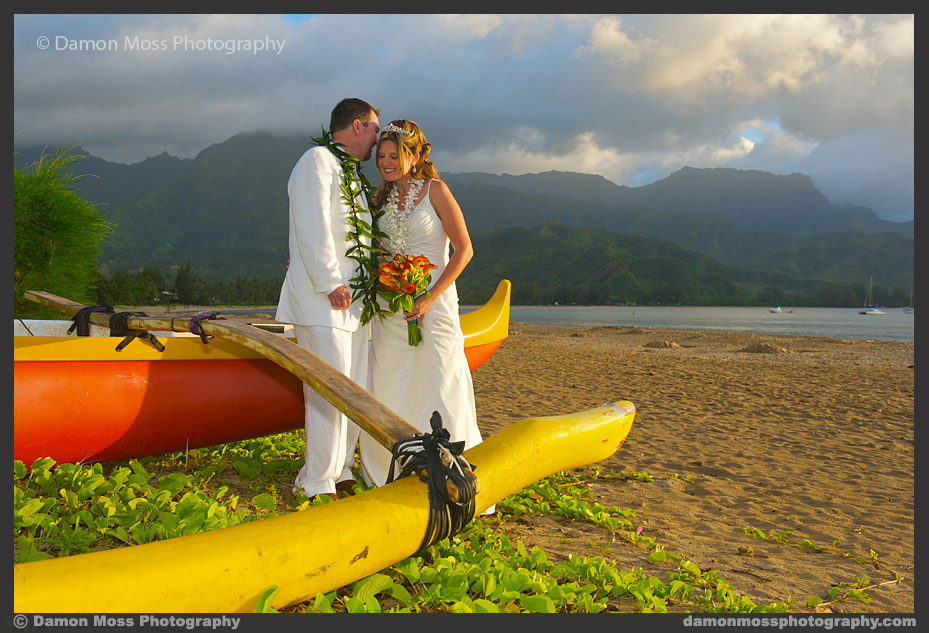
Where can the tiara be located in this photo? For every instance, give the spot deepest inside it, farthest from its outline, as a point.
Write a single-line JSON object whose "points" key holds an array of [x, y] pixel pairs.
{"points": [[393, 128]]}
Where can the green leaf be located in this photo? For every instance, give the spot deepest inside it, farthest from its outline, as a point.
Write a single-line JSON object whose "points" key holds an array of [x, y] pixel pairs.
{"points": [[537, 604], [121, 534], [265, 500], [139, 469], [409, 567], [247, 469], [45, 482], [70, 498], [173, 483], [27, 550], [170, 523], [322, 604], [657, 557], [43, 464], [678, 586], [485, 606], [87, 518], [400, 594], [265, 598], [372, 585], [276, 465]]}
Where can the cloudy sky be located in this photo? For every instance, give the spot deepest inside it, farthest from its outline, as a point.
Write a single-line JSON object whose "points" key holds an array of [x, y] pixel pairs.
{"points": [[630, 97]]}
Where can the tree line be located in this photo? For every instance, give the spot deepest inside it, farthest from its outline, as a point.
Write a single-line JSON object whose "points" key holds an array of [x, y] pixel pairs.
{"points": [[147, 285]]}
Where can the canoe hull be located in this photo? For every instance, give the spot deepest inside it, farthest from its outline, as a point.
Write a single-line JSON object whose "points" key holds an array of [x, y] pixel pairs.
{"points": [[107, 410], [76, 399], [100, 411], [316, 550]]}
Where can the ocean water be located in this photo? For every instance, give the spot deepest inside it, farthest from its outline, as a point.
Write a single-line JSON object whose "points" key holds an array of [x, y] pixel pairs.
{"points": [[895, 325]]}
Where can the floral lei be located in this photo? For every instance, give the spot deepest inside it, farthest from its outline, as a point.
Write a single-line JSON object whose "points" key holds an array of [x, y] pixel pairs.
{"points": [[397, 221], [366, 256]]}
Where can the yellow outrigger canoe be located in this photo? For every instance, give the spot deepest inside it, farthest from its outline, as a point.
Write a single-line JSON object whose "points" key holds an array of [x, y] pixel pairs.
{"points": [[316, 550]]}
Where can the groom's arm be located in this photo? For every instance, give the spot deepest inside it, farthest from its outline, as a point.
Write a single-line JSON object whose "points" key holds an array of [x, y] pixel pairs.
{"points": [[311, 194]]}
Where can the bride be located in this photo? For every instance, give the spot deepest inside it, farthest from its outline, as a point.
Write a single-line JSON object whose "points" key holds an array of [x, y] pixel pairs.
{"points": [[420, 217]]}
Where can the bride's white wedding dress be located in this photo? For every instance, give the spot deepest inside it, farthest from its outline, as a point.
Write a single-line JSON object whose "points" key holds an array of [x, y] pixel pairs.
{"points": [[414, 381]]}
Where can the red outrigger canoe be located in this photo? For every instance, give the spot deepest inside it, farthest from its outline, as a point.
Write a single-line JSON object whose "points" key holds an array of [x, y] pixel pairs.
{"points": [[75, 399]]}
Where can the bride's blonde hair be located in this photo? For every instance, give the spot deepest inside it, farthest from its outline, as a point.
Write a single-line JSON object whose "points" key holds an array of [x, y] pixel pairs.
{"points": [[410, 140]]}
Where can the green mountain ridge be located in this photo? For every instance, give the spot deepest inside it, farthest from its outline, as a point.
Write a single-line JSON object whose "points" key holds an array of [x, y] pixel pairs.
{"points": [[750, 199], [844, 257], [104, 181], [226, 212], [568, 264]]}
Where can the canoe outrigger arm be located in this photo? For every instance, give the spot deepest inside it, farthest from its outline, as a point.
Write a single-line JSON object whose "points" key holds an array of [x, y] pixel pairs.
{"points": [[450, 478], [452, 505]]}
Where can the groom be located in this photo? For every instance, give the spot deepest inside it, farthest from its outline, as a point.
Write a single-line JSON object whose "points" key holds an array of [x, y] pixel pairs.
{"points": [[315, 296]]}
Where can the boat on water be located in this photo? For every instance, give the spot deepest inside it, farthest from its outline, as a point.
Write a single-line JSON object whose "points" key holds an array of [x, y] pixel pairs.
{"points": [[776, 310], [141, 401], [910, 310], [870, 308]]}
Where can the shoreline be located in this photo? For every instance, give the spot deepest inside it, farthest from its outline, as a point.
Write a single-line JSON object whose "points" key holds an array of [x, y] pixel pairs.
{"points": [[265, 314]]}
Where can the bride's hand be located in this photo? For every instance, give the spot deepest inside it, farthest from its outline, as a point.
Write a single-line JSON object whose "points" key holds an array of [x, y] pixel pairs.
{"points": [[420, 307]]}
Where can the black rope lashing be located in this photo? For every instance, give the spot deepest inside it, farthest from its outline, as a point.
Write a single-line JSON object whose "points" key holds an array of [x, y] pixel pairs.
{"points": [[119, 326], [451, 481], [81, 320], [195, 325]]}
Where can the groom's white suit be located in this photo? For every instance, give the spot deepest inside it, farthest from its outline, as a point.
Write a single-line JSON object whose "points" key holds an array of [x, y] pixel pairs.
{"points": [[318, 266]]}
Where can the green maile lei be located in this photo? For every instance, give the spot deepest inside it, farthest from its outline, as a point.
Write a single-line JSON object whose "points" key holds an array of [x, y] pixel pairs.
{"points": [[365, 285]]}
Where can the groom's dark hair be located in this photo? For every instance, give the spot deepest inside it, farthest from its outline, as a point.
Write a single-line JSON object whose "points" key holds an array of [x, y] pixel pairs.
{"points": [[347, 110]]}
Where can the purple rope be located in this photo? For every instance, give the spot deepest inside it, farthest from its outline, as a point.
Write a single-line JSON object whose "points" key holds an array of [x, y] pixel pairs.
{"points": [[195, 328]]}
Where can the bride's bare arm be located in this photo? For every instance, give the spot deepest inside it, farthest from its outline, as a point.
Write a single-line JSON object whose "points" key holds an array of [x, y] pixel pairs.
{"points": [[446, 207]]}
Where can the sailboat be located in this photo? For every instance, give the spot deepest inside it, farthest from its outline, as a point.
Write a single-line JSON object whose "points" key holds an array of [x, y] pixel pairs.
{"points": [[910, 310], [869, 307]]}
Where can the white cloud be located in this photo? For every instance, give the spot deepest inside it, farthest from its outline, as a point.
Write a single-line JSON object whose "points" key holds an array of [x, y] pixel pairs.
{"points": [[630, 97]]}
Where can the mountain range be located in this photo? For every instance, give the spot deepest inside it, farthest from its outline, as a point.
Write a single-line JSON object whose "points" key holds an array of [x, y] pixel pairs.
{"points": [[226, 211], [749, 199]]}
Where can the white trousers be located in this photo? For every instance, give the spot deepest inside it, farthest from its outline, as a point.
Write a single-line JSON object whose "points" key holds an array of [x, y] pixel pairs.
{"points": [[330, 436]]}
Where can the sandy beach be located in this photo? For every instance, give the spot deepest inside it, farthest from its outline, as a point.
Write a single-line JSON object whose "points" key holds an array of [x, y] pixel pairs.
{"points": [[781, 433], [809, 435]]}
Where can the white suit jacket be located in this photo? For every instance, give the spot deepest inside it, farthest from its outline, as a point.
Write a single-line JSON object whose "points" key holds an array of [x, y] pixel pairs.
{"points": [[318, 230]]}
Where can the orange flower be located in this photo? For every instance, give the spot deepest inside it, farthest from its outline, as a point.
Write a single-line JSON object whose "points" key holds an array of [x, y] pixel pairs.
{"points": [[400, 281], [420, 261]]}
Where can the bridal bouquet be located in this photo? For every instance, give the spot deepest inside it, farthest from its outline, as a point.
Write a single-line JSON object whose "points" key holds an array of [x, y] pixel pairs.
{"points": [[400, 281]]}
